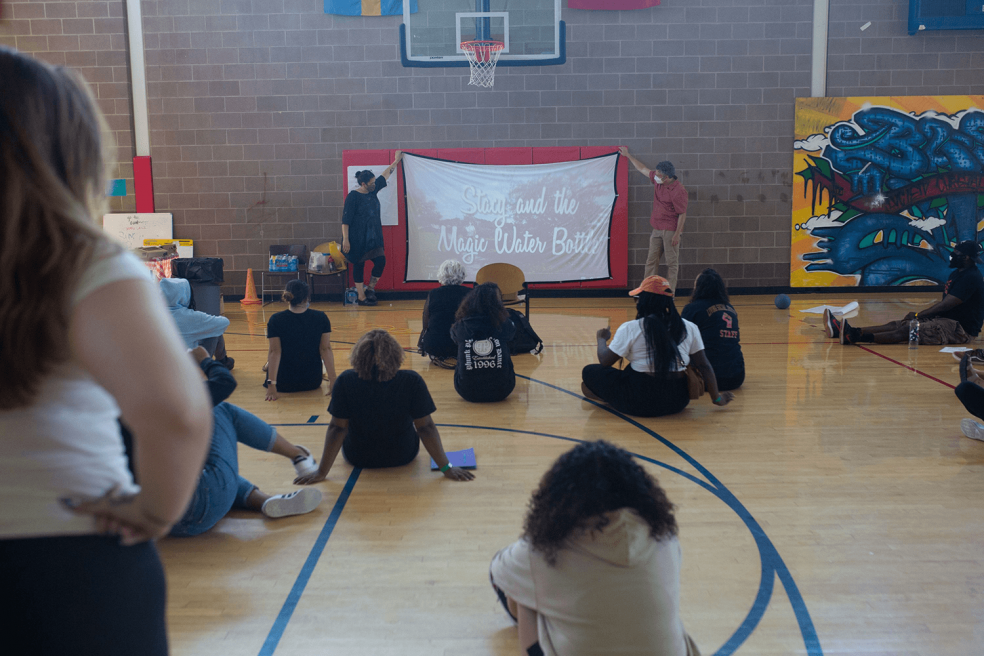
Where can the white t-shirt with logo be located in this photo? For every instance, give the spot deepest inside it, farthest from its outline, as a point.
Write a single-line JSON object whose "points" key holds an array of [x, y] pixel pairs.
{"points": [[67, 442], [630, 343]]}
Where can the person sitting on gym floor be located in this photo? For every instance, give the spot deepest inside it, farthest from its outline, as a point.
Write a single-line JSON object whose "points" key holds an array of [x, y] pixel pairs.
{"points": [[955, 319], [220, 487], [597, 570], [380, 413], [439, 310]]}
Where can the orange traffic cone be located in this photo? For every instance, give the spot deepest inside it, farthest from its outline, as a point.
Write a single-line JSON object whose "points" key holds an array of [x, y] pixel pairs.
{"points": [[250, 298]]}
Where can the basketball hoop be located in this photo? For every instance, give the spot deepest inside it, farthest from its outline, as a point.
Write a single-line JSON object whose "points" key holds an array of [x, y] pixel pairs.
{"points": [[482, 57]]}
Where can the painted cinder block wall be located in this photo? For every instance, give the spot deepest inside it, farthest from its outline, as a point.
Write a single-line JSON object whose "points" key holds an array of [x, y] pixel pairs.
{"points": [[253, 101]]}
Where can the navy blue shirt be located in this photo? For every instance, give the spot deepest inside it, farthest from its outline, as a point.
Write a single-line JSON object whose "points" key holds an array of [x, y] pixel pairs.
{"points": [[968, 286], [718, 324]]}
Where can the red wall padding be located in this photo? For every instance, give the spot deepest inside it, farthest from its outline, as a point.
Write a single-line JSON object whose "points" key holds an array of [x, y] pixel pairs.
{"points": [[396, 236]]}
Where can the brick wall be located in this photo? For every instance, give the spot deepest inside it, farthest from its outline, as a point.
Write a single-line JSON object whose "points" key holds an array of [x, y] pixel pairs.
{"points": [[91, 38], [253, 101]]}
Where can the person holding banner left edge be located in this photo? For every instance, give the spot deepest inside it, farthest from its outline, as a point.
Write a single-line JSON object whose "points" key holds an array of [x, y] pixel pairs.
{"points": [[362, 230]]}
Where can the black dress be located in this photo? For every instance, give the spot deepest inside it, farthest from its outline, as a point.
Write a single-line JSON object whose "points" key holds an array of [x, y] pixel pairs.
{"points": [[442, 303], [361, 215]]}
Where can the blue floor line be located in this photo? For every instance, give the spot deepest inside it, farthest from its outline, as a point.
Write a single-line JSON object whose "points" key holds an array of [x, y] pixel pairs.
{"points": [[280, 624]]}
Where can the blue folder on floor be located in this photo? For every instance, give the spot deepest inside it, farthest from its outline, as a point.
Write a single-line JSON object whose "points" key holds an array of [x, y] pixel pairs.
{"points": [[464, 459]]}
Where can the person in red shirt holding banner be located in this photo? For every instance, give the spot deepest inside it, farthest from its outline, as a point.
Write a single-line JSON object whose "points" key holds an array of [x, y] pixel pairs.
{"points": [[669, 214]]}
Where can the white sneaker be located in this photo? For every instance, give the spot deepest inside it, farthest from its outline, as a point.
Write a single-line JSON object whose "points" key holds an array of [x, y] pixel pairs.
{"points": [[304, 464], [295, 503], [972, 429]]}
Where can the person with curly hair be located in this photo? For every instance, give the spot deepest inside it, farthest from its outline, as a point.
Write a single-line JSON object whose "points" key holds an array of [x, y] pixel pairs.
{"points": [[711, 311], [439, 309], [658, 345], [300, 341], [482, 330], [597, 569], [380, 413]]}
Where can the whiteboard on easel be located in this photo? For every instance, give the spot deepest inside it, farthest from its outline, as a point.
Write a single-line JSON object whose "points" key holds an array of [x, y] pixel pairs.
{"points": [[132, 229]]}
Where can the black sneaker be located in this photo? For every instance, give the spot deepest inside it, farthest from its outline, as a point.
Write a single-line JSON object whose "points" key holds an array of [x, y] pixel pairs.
{"points": [[371, 295], [848, 335], [964, 367], [367, 301], [831, 324]]}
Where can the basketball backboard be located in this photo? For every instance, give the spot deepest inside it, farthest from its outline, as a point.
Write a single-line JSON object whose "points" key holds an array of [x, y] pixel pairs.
{"points": [[531, 31]]}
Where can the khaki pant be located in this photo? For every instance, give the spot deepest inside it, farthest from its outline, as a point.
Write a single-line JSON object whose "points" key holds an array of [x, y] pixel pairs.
{"points": [[661, 242]]}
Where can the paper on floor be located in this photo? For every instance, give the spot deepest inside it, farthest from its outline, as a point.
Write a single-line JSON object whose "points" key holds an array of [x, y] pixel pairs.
{"points": [[841, 311]]}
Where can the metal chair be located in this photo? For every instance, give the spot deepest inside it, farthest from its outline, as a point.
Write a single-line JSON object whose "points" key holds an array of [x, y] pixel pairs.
{"points": [[273, 282], [511, 281]]}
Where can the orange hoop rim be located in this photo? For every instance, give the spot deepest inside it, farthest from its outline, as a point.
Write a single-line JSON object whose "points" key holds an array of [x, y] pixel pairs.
{"points": [[472, 46]]}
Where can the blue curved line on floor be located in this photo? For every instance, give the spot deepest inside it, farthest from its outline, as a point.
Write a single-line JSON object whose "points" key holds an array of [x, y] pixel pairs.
{"points": [[294, 596], [772, 563]]}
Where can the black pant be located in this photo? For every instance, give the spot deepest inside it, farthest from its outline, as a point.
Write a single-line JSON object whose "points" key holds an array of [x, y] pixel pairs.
{"points": [[972, 397], [81, 595], [359, 268], [728, 383]]}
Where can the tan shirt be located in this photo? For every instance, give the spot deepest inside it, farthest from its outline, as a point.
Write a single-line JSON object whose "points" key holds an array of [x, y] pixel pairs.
{"points": [[615, 592]]}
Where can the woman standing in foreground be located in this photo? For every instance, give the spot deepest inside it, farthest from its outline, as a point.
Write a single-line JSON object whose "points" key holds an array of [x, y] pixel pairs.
{"points": [[597, 570], [78, 317]]}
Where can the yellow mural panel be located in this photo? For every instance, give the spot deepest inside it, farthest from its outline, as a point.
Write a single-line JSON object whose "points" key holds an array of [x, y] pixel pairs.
{"points": [[883, 187]]}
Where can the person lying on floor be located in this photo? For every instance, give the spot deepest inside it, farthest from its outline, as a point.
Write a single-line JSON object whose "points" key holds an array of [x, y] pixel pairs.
{"points": [[220, 487], [380, 413]]}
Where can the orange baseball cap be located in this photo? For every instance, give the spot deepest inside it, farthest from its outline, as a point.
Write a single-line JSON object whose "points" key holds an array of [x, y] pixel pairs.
{"points": [[653, 285]]}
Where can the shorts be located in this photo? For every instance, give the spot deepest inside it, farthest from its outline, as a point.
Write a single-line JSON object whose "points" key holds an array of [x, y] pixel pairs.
{"points": [[936, 331]]}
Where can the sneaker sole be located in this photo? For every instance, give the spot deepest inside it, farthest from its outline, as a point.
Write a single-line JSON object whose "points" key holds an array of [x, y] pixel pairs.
{"points": [[972, 429], [828, 325], [303, 502]]}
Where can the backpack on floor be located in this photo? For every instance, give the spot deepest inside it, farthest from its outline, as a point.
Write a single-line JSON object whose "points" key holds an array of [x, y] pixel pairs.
{"points": [[526, 340]]}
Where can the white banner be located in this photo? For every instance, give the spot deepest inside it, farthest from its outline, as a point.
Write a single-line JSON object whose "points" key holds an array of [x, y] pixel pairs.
{"points": [[550, 220]]}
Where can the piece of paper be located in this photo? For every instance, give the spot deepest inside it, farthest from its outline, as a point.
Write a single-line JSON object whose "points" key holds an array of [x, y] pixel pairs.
{"points": [[955, 349], [840, 311], [464, 459]]}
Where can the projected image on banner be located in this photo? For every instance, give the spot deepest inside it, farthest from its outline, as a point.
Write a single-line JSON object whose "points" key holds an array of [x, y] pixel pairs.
{"points": [[550, 220]]}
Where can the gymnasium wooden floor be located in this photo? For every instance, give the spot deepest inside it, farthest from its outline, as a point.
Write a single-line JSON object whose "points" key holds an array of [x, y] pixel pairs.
{"points": [[833, 508]]}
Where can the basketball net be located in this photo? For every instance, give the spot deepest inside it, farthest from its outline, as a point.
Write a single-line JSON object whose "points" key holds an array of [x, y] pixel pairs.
{"points": [[482, 57]]}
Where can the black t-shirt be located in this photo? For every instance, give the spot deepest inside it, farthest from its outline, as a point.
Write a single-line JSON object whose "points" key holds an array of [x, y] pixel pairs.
{"points": [[968, 286], [300, 348], [718, 324], [361, 215], [381, 415], [485, 369], [442, 303]]}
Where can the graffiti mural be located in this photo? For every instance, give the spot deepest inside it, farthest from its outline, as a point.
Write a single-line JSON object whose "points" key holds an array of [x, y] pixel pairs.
{"points": [[884, 187]]}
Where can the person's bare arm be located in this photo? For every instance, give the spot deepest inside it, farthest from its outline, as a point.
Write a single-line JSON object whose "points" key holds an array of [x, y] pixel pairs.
{"points": [[345, 242], [948, 303], [639, 166], [431, 440], [699, 360], [392, 167], [334, 436], [328, 357], [273, 367], [679, 229], [606, 356], [111, 333]]}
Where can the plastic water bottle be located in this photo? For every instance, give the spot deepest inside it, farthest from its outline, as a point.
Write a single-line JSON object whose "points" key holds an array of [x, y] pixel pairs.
{"points": [[913, 333], [351, 296]]}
